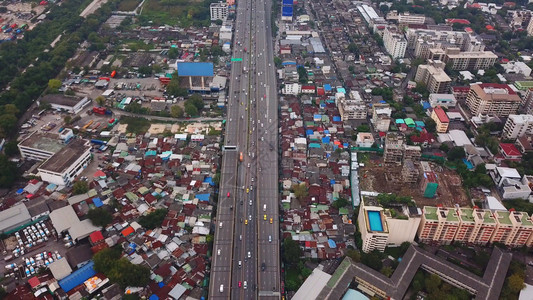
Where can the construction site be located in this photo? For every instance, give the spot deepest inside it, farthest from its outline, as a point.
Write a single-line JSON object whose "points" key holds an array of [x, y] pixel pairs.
{"points": [[401, 171]]}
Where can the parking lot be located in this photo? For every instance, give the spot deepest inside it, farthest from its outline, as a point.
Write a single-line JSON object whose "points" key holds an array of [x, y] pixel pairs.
{"points": [[18, 13]]}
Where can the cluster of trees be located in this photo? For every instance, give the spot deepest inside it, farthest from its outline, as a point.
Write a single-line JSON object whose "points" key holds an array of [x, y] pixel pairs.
{"points": [[153, 219], [300, 191], [525, 166], [8, 172], [389, 200], [80, 187], [478, 178], [340, 203], [302, 74], [193, 105], [119, 269], [433, 285], [386, 92], [14, 57], [485, 137], [100, 216]]}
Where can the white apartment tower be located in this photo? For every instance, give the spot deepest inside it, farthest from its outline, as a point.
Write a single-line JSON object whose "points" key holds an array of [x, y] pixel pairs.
{"points": [[517, 126], [219, 11], [394, 42]]}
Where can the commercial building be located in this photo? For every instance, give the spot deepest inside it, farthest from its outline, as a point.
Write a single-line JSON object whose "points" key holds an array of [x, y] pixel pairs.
{"points": [[65, 165], [218, 11], [517, 67], [394, 42], [443, 100], [312, 286], [386, 227], [439, 116], [199, 75], [434, 77], [405, 17], [492, 99], [61, 102], [292, 89], [517, 126], [351, 109], [40, 146], [14, 217], [471, 60], [381, 113], [364, 140]]}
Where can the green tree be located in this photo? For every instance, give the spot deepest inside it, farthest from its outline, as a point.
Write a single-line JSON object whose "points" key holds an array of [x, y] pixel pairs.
{"points": [[100, 216], [431, 125], [80, 187], [54, 84], [363, 128], [11, 109], [516, 283], [291, 251], [387, 271], [153, 219], [176, 111], [354, 255], [191, 110], [196, 100], [352, 47], [100, 100], [11, 148], [67, 119], [300, 190], [8, 172], [174, 89], [277, 62], [105, 259], [173, 53], [456, 153], [302, 74], [373, 260], [145, 70], [8, 124], [432, 283], [340, 203]]}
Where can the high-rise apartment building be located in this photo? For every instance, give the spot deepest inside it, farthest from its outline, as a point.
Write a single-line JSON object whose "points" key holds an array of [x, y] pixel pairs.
{"points": [[517, 126], [471, 60], [434, 77], [492, 99], [438, 225], [219, 11], [441, 119], [394, 42]]}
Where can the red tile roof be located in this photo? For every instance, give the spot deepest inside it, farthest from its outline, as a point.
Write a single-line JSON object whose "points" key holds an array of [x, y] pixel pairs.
{"points": [[509, 149], [96, 237], [441, 114]]}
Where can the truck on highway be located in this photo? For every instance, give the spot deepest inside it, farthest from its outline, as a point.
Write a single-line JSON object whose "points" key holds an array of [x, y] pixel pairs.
{"points": [[241, 157]]}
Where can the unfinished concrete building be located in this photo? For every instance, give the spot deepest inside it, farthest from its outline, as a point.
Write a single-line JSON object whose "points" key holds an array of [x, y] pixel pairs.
{"points": [[409, 171], [394, 148]]}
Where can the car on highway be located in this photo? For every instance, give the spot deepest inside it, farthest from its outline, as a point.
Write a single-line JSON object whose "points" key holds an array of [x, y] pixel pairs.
{"points": [[250, 201], [250, 217], [270, 220], [240, 284], [265, 217], [249, 254], [240, 263], [245, 222], [228, 194], [247, 191], [270, 239], [263, 266], [245, 286]]}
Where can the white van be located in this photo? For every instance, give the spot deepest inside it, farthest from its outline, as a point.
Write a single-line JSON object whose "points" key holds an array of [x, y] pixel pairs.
{"points": [[264, 207], [220, 225], [221, 288]]}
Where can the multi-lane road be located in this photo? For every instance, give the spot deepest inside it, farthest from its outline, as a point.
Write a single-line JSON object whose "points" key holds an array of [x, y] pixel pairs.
{"points": [[246, 262]]}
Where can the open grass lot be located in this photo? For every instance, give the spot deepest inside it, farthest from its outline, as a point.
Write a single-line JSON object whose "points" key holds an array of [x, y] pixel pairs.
{"points": [[128, 5], [176, 12]]}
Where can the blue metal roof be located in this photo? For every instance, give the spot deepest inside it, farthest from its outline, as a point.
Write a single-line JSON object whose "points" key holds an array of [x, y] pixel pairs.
{"points": [[327, 87], [309, 131], [336, 118], [332, 244], [77, 277], [326, 140], [195, 69], [153, 297], [97, 202], [209, 180], [203, 197]]}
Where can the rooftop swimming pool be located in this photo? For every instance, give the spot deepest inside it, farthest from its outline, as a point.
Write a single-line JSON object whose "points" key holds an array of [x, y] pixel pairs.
{"points": [[374, 219]]}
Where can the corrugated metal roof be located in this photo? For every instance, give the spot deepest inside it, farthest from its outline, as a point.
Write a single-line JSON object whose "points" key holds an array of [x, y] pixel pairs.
{"points": [[195, 69], [77, 277]]}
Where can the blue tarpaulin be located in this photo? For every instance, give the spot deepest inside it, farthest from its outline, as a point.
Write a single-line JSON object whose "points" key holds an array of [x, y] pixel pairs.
{"points": [[209, 180], [317, 117], [77, 277], [326, 131], [153, 297], [327, 87], [426, 105], [161, 284], [326, 140], [332, 244], [309, 132], [336, 118], [332, 182], [97, 202], [203, 197], [345, 145], [341, 90], [20, 191]]}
